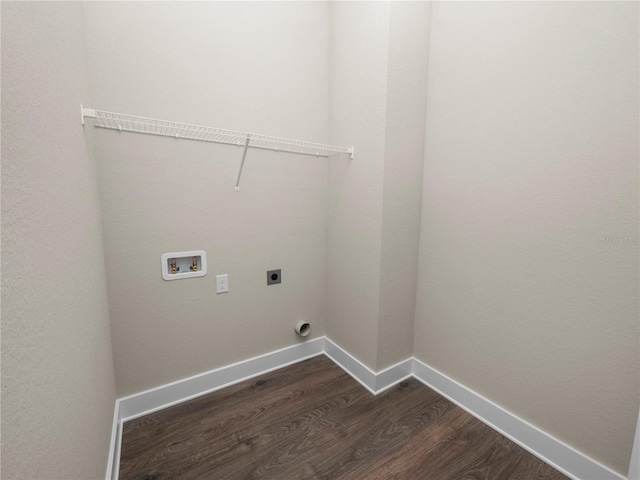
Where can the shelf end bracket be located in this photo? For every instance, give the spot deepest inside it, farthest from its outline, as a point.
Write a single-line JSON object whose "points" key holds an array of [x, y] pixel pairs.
{"points": [[86, 113]]}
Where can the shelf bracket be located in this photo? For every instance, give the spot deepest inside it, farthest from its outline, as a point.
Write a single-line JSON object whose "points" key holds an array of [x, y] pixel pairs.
{"points": [[86, 112], [244, 155]]}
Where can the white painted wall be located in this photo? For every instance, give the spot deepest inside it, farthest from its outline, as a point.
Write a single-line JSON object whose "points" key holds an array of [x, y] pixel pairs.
{"points": [[359, 46], [526, 294], [408, 55], [257, 67], [58, 387], [379, 54]]}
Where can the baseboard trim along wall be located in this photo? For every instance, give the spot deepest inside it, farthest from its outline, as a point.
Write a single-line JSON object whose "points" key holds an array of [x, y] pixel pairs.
{"points": [[556, 453], [549, 449], [165, 396], [113, 460], [376, 383], [634, 464]]}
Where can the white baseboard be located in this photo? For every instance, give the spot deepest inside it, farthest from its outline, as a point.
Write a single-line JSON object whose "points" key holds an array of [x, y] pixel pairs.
{"points": [[634, 464], [393, 375], [165, 396], [556, 453], [376, 383], [549, 449], [113, 460], [358, 370]]}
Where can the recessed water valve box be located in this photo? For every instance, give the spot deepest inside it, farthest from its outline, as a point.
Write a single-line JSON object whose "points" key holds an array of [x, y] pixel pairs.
{"points": [[178, 265]]}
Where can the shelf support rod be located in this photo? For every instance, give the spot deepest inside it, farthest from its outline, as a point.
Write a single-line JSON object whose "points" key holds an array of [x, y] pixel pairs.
{"points": [[244, 155]]}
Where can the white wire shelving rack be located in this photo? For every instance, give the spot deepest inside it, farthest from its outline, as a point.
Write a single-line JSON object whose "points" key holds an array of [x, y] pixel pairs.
{"points": [[166, 128]]}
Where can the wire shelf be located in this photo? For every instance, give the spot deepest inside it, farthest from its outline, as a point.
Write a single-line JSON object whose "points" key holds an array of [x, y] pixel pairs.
{"points": [[151, 126]]}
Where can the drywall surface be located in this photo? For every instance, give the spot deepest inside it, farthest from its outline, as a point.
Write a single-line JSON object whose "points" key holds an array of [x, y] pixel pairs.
{"points": [[528, 276], [58, 388], [408, 53], [359, 50], [379, 56], [251, 66]]}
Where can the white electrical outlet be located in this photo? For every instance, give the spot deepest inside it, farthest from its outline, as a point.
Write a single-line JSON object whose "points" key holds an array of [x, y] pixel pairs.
{"points": [[222, 283]]}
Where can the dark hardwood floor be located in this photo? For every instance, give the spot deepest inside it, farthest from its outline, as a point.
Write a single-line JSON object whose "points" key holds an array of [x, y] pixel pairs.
{"points": [[312, 421]]}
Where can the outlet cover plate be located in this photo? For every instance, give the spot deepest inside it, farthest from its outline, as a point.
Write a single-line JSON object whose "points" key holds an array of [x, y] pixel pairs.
{"points": [[222, 283], [274, 276]]}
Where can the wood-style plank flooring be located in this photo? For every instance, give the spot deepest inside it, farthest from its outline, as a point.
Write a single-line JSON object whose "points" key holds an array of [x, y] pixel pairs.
{"points": [[313, 421]]}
